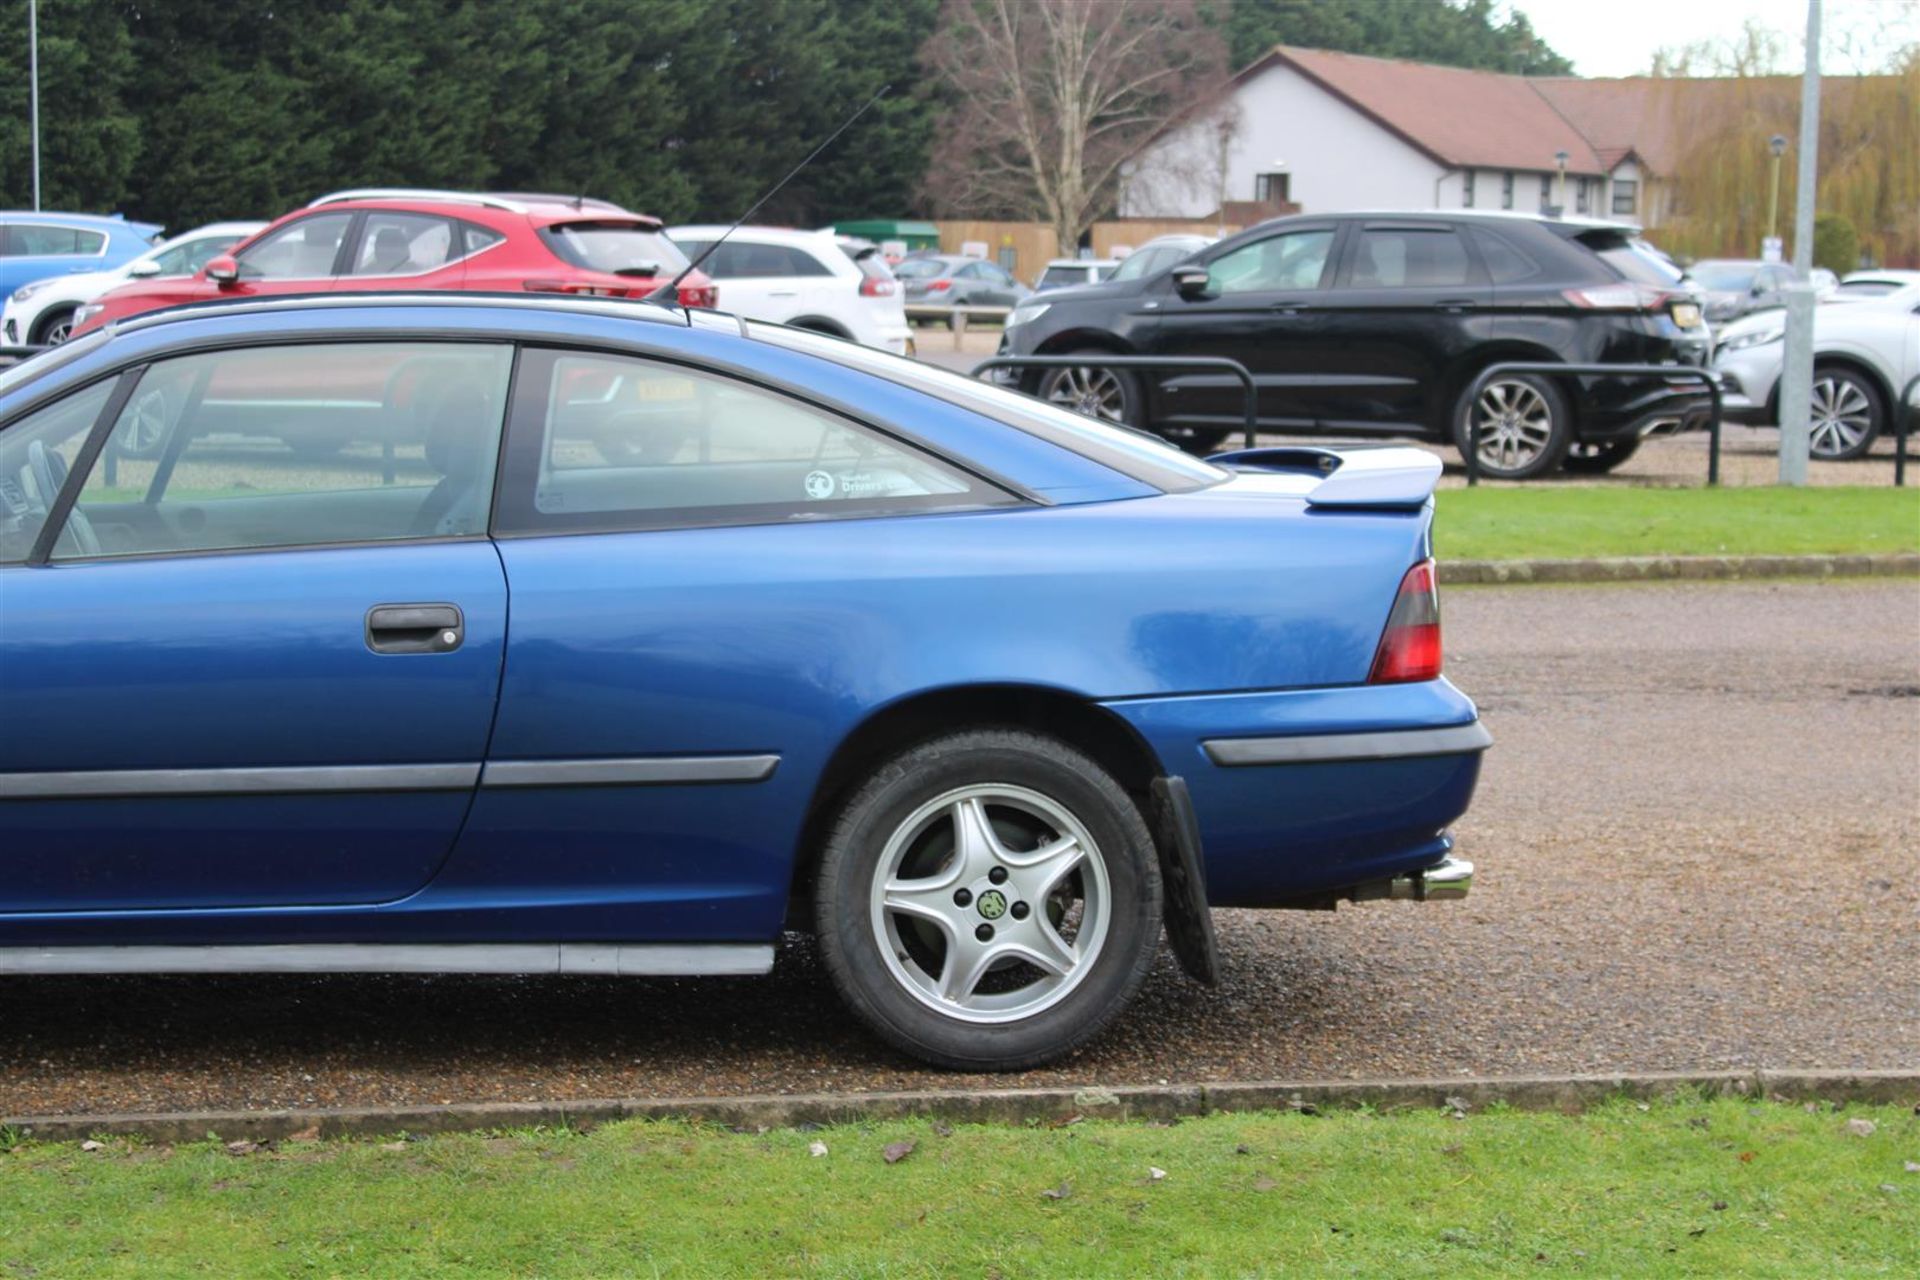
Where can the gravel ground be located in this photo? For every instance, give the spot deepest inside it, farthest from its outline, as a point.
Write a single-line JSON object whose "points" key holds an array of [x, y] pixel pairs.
{"points": [[1698, 837]]}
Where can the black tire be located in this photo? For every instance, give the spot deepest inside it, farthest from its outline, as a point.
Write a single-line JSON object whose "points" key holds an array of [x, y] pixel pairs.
{"points": [[1199, 441], [1097, 390], [1598, 459], [53, 328], [875, 975], [1848, 414], [1537, 403]]}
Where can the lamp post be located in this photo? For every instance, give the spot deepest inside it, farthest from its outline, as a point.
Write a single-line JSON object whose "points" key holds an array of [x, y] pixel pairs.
{"points": [[1560, 159], [1777, 144], [33, 91]]}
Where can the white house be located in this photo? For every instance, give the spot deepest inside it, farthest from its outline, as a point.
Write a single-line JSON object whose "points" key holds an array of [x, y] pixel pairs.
{"points": [[1329, 131]]}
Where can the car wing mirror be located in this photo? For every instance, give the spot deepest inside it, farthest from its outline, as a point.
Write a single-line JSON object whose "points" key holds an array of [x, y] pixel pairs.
{"points": [[144, 268], [223, 270], [1190, 282]]}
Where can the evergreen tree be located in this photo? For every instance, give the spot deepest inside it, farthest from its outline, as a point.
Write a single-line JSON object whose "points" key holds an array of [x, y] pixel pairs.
{"points": [[1458, 34]]}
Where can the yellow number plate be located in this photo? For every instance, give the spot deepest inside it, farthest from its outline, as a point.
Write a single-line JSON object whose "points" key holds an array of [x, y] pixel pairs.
{"points": [[664, 388]]}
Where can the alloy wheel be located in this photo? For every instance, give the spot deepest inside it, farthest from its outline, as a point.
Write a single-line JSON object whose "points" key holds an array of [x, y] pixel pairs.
{"points": [[56, 333], [144, 427], [1097, 393], [1842, 416], [990, 903], [1512, 425]]}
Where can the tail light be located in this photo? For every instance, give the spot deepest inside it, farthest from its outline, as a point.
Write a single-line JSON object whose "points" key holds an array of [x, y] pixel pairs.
{"points": [[1618, 297], [874, 287], [1410, 648], [939, 286], [700, 295]]}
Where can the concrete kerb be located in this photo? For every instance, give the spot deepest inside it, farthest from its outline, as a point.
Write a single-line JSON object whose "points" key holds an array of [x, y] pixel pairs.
{"points": [[989, 1106], [1678, 568]]}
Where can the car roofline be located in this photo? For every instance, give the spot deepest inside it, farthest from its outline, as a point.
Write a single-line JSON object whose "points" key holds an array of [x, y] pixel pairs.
{"points": [[213, 308], [423, 195]]}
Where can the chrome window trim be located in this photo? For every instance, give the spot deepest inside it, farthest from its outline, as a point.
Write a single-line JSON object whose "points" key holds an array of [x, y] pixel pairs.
{"points": [[1329, 748]]}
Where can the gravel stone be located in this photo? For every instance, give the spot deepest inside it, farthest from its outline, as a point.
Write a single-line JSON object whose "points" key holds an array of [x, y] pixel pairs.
{"points": [[1696, 839]]}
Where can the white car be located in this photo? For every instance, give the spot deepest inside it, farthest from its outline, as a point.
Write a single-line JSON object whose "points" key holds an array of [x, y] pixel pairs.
{"points": [[41, 313], [807, 279], [1864, 354], [1064, 273], [1871, 283]]}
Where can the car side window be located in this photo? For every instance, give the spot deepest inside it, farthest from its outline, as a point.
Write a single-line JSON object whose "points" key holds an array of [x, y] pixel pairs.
{"points": [[1409, 258], [302, 250], [38, 240], [403, 244], [1290, 260], [297, 446], [802, 263], [602, 443], [36, 453]]}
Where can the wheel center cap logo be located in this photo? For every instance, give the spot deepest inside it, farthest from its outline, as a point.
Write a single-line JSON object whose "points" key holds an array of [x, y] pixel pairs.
{"points": [[993, 904]]}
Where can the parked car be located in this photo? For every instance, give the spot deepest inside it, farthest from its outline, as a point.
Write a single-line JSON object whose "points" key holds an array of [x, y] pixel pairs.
{"points": [[1864, 353], [1873, 283], [808, 279], [41, 313], [952, 280], [35, 246], [1062, 272], [395, 238], [1379, 322], [1159, 253], [1735, 287], [983, 692]]}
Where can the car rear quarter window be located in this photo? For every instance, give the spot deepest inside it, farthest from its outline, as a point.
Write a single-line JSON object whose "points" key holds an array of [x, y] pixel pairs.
{"points": [[292, 446], [1507, 262], [604, 443]]}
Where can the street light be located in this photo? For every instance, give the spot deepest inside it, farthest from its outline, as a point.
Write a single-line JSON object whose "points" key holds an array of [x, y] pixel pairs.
{"points": [[33, 91], [1560, 159], [1778, 145]]}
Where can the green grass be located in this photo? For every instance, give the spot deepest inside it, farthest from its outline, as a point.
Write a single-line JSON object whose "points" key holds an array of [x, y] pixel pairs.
{"points": [[1563, 521], [1691, 1187]]}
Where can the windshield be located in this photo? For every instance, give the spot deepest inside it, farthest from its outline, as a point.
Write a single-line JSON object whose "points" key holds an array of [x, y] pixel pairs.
{"points": [[1146, 262], [619, 248], [1724, 277], [1865, 288], [1135, 454]]}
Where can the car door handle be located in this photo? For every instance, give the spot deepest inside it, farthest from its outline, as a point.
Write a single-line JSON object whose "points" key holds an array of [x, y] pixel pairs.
{"points": [[415, 628], [783, 293]]}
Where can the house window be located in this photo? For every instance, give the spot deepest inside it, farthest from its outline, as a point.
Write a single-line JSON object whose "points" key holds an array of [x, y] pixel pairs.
{"points": [[1546, 192], [1271, 188], [1506, 191], [1626, 195], [1581, 198], [1466, 190]]}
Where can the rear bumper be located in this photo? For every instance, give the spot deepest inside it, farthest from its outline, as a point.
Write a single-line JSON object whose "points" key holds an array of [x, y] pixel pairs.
{"points": [[1305, 796]]}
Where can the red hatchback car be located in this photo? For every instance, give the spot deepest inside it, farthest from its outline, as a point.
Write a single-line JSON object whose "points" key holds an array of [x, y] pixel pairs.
{"points": [[403, 239]]}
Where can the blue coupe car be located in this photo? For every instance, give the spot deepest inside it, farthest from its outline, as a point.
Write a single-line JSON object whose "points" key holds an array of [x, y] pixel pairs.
{"points": [[614, 639]]}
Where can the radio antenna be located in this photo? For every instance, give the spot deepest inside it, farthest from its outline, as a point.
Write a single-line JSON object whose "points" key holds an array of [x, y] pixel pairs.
{"points": [[670, 292]]}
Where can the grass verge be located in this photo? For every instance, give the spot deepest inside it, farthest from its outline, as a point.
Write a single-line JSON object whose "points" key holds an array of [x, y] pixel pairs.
{"points": [[1564, 521], [1689, 1187]]}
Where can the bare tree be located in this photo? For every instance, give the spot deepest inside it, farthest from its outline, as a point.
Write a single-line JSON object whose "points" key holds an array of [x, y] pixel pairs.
{"points": [[1051, 97]]}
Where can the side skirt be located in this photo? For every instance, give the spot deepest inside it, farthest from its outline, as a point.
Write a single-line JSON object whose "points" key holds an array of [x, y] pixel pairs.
{"points": [[600, 959]]}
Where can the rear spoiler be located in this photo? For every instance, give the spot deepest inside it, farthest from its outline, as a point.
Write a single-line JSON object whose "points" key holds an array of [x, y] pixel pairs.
{"points": [[1363, 476]]}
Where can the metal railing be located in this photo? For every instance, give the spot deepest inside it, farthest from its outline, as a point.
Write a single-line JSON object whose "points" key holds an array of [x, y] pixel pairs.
{"points": [[1669, 371], [1100, 360], [1903, 427]]}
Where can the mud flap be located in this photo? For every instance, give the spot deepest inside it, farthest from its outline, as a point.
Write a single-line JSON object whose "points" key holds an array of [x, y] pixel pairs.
{"points": [[1183, 880]]}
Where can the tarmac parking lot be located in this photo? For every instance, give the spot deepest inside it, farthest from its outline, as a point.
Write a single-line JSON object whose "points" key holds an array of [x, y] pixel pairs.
{"points": [[1696, 840]]}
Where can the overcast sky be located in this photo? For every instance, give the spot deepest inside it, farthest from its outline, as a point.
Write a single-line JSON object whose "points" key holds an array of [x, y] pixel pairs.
{"points": [[1619, 37]]}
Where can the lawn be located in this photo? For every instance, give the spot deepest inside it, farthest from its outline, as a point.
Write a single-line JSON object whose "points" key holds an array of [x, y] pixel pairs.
{"points": [[1707, 1188], [1562, 521]]}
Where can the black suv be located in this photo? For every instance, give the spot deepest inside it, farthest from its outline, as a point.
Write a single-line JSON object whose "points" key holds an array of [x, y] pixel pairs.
{"points": [[1377, 323]]}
